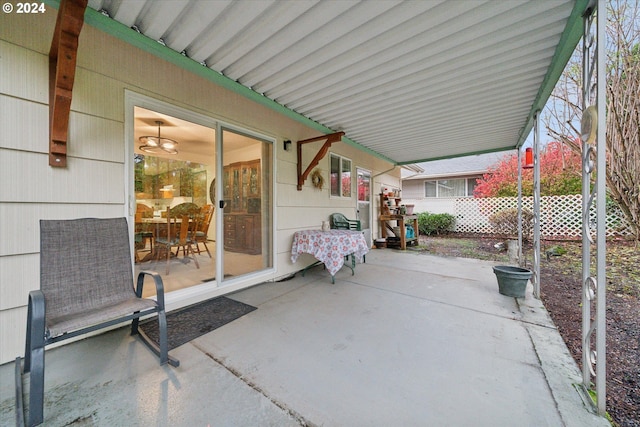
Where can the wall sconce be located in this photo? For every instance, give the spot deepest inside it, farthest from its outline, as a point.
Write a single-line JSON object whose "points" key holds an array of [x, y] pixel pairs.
{"points": [[528, 158], [287, 144]]}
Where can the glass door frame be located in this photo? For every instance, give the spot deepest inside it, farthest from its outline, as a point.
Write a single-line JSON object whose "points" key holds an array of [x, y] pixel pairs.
{"points": [[222, 126], [367, 232], [133, 99]]}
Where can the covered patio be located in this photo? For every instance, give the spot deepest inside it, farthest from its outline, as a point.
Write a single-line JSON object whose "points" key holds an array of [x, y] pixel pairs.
{"points": [[410, 339]]}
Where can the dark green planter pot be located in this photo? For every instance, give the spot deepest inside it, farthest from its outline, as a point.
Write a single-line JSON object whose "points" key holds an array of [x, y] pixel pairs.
{"points": [[512, 281]]}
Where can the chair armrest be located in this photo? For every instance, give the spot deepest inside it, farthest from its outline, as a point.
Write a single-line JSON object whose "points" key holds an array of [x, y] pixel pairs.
{"points": [[36, 312], [157, 279]]}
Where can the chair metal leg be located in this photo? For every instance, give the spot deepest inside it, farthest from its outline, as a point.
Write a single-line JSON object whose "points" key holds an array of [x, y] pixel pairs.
{"points": [[36, 388], [164, 356], [34, 356], [19, 399], [162, 332], [163, 350]]}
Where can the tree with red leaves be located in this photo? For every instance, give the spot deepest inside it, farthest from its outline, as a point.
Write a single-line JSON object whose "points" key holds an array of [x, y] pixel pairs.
{"points": [[560, 174], [563, 112]]}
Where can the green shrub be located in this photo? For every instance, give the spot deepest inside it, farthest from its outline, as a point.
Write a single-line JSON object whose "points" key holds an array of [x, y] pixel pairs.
{"points": [[429, 223], [506, 222]]}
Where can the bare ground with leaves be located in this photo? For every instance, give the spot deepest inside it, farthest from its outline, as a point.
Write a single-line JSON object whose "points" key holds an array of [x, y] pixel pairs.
{"points": [[561, 292]]}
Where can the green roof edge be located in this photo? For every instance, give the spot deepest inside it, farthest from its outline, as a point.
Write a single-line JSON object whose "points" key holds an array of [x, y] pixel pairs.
{"points": [[128, 35], [568, 41]]}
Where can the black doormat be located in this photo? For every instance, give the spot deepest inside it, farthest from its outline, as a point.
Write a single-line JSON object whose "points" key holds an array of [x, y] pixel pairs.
{"points": [[198, 319]]}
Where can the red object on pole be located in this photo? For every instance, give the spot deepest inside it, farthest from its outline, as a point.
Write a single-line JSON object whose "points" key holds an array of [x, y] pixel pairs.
{"points": [[528, 158]]}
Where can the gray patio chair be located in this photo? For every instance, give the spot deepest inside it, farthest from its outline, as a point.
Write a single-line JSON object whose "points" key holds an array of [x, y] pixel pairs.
{"points": [[86, 284]]}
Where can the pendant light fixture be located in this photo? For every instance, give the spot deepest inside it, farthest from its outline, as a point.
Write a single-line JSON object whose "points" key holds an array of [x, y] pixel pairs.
{"points": [[158, 144]]}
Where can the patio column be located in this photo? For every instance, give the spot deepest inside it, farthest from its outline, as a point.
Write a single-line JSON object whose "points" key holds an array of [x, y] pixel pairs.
{"points": [[536, 205], [521, 261], [592, 134]]}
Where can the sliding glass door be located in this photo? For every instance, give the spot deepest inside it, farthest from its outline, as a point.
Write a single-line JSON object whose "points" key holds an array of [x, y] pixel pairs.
{"points": [[202, 202], [174, 167], [246, 204]]}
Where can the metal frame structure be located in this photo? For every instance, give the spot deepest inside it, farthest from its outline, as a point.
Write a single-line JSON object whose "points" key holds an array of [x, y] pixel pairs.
{"points": [[593, 126], [521, 260], [535, 279]]}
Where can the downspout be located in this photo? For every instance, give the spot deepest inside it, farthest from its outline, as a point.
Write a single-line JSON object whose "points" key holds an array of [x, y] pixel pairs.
{"points": [[384, 172]]}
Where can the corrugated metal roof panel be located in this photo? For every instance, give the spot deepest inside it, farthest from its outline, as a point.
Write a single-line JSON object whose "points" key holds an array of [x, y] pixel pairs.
{"points": [[410, 80]]}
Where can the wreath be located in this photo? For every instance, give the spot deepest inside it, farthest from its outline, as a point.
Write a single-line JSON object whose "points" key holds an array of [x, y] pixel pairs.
{"points": [[317, 179]]}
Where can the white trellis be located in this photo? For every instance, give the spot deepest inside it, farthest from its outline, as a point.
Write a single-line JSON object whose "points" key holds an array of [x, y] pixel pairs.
{"points": [[560, 216]]}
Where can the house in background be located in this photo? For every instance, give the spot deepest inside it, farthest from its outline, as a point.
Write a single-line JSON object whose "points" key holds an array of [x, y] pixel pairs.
{"points": [[436, 189]]}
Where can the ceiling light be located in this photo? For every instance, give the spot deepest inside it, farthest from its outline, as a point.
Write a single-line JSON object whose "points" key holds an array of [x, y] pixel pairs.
{"points": [[158, 144]]}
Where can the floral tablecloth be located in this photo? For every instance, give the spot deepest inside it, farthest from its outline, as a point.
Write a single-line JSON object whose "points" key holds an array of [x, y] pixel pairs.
{"points": [[329, 247]]}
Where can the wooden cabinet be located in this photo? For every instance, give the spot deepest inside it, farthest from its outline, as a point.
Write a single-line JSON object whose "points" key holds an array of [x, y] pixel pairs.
{"points": [[242, 220], [241, 186], [242, 233], [391, 219]]}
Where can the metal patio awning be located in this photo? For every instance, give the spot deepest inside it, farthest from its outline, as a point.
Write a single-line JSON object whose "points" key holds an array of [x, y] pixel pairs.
{"points": [[407, 80]]}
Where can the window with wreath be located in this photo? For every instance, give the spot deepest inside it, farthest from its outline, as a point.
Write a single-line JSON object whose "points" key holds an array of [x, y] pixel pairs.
{"points": [[340, 176]]}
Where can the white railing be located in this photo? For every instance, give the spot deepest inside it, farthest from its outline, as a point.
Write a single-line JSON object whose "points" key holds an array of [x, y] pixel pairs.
{"points": [[560, 216]]}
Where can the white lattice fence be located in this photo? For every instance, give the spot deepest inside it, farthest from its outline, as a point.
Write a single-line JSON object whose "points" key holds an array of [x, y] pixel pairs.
{"points": [[560, 216]]}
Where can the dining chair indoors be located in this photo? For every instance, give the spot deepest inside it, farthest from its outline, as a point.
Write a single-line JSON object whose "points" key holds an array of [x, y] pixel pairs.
{"points": [[206, 214], [180, 234]]}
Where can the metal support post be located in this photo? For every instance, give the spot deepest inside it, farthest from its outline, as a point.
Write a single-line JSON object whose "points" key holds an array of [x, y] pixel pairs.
{"points": [[521, 261], [536, 205], [593, 126]]}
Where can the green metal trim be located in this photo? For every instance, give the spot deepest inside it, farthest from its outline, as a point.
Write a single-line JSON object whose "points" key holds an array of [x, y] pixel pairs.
{"points": [[132, 37], [566, 46]]}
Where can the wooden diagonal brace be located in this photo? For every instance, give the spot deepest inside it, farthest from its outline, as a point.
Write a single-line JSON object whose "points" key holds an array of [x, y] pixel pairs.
{"points": [[330, 139], [62, 69]]}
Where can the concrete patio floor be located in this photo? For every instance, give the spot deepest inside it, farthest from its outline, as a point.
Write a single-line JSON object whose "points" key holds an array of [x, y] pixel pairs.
{"points": [[409, 340]]}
